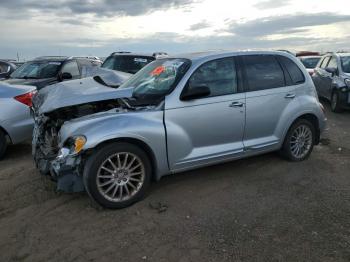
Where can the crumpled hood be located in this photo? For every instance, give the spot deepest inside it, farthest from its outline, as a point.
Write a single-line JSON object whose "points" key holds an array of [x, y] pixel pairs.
{"points": [[81, 91]]}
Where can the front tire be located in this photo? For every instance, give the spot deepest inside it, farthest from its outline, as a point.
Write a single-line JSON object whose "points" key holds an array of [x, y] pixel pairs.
{"points": [[3, 144], [299, 141], [335, 102], [117, 175]]}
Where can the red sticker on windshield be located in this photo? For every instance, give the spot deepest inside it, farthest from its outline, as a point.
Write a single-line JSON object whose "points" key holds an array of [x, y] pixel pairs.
{"points": [[158, 70]]}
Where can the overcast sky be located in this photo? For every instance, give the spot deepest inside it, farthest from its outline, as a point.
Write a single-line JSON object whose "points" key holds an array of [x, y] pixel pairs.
{"points": [[98, 27]]}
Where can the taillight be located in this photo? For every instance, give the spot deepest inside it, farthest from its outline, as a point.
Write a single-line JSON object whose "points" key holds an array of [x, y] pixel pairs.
{"points": [[26, 98]]}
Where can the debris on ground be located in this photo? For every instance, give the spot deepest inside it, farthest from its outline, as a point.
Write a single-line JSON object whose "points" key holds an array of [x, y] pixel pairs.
{"points": [[160, 207]]}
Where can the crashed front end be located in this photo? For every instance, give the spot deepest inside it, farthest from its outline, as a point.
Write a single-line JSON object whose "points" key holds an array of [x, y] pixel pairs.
{"points": [[62, 164], [54, 108]]}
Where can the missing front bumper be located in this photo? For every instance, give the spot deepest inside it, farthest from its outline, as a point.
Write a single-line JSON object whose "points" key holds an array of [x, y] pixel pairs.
{"points": [[66, 173]]}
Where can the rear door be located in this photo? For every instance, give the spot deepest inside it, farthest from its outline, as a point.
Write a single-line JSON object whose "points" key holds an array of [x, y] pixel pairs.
{"points": [[328, 78], [209, 129], [269, 90], [322, 77]]}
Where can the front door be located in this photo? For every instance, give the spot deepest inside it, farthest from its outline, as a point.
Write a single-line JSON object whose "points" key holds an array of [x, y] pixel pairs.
{"points": [[209, 129]]}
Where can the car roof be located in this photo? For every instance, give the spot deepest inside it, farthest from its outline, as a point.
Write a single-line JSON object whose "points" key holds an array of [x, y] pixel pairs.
{"points": [[213, 54], [126, 53], [60, 58], [310, 56], [50, 58], [343, 54]]}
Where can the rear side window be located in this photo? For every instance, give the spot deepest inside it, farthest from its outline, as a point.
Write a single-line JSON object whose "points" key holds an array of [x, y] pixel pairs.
{"points": [[293, 70], [333, 63], [325, 62], [72, 68], [219, 75], [127, 63], [263, 72]]}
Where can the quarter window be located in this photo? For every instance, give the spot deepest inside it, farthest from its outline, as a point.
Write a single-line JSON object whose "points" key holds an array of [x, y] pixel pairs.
{"points": [[218, 75], [293, 70], [325, 62], [72, 68], [333, 63], [263, 72]]}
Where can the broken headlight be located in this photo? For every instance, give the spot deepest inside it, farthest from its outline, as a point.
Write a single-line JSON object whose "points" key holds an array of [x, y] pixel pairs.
{"points": [[74, 145]]}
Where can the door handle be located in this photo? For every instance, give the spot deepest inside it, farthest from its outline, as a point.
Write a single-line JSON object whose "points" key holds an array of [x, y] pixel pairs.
{"points": [[290, 96], [236, 104]]}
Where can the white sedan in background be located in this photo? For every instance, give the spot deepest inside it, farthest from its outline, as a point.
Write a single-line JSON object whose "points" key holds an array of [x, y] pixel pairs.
{"points": [[16, 123]]}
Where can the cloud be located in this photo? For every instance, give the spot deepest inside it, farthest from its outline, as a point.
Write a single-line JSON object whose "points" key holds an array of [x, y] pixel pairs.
{"points": [[104, 8], [284, 24], [270, 4], [201, 25], [74, 22]]}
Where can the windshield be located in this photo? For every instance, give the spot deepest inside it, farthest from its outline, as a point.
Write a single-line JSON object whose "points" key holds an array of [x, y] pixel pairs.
{"points": [[310, 62], [158, 78], [128, 64], [37, 70], [345, 64]]}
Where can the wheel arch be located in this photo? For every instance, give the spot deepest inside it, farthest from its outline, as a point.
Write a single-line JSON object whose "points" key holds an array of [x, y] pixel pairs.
{"points": [[313, 119], [137, 142], [6, 134]]}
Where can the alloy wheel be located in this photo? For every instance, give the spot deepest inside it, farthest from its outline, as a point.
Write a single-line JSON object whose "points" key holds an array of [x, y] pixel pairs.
{"points": [[301, 141], [120, 176]]}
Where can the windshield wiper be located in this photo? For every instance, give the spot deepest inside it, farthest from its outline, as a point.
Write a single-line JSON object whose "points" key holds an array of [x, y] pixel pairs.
{"points": [[126, 104]]}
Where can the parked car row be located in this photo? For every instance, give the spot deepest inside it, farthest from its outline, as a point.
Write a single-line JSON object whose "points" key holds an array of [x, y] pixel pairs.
{"points": [[110, 130]]}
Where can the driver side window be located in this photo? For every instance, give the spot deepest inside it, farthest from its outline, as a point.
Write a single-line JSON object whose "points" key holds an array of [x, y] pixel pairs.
{"points": [[72, 68], [218, 75]]}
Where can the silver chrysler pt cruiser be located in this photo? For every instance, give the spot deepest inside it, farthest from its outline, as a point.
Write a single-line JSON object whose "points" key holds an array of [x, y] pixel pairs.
{"points": [[176, 114]]}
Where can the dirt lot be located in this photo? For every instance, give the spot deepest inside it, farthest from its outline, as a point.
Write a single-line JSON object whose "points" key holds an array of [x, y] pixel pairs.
{"points": [[257, 209]]}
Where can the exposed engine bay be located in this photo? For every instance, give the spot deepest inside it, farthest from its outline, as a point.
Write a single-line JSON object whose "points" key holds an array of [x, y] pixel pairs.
{"points": [[58, 107], [47, 127]]}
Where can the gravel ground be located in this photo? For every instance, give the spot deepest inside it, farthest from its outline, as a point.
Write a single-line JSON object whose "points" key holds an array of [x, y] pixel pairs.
{"points": [[258, 209]]}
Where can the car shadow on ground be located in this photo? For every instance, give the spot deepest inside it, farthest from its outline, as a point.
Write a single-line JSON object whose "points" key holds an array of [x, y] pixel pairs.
{"points": [[18, 151]]}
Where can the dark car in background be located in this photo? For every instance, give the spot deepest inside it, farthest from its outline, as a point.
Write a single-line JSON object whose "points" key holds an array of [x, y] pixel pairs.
{"points": [[6, 69], [310, 62], [48, 70], [129, 62], [332, 80]]}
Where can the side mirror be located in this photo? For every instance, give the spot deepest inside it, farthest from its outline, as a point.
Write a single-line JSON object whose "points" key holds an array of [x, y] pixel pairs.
{"points": [[194, 92], [331, 70], [66, 76]]}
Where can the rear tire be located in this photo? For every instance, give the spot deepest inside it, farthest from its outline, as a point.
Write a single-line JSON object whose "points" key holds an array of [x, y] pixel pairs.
{"points": [[117, 175], [335, 103], [3, 144], [299, 141]]}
